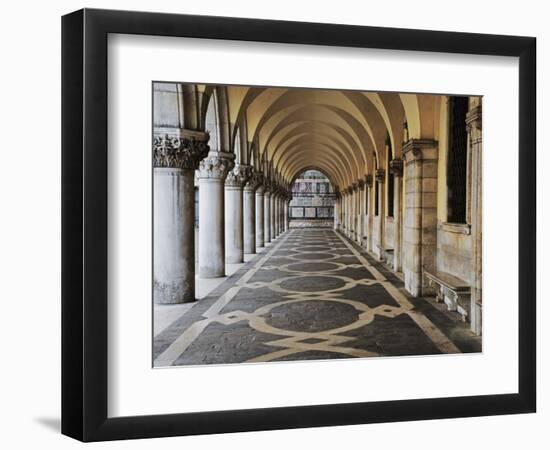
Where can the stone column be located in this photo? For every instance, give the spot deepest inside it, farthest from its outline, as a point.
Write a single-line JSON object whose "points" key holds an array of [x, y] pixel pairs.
{"points": [[475, 140], [280, 214], [380, 176], [249, 214], [260, 230], [274, 231], [345, 199], [272, 213], [396, 167], [420, 221], [348, 213], [287, 212], [337, 212], [366, 204], [175, 159], [267, 213], [234, 227], [211, 173], [360, 209], [369, 186]]}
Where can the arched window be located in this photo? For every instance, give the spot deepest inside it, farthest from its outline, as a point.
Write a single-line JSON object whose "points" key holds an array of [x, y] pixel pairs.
{"points": [[457, 160], [212, 122]]}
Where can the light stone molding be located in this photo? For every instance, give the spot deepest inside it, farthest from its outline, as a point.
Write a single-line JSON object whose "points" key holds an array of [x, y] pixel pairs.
{"points": [[216, 165], [458, 228]]}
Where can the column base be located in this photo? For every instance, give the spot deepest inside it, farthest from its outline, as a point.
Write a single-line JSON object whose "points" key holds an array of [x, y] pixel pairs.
{"points": [[165, 293]]}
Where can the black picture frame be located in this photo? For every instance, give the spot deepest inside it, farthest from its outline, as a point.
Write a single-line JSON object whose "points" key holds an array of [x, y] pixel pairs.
{"points": [[84, 224]]}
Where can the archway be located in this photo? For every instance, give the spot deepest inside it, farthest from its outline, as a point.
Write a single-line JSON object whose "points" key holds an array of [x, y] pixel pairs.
{"points": [[313, 200]]}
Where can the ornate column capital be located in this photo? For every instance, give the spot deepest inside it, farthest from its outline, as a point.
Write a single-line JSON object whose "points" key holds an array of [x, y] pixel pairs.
{"points": [[238, 177], [474, 123], [182, 150], [368, 180], [216, 165], [419, 149], [268, 186], [255, 181], [396, 167], [361, 183], [354, 186], [380, 175]]}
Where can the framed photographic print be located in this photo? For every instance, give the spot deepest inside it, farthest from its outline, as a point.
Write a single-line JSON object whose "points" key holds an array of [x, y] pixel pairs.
{"points": [[274, 224]]}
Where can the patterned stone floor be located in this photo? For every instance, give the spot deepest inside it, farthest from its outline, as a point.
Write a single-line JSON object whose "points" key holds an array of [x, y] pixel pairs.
{"points": [[312, 295]]}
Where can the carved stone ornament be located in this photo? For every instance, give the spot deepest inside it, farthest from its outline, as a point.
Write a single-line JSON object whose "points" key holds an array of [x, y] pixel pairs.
{"points": [[238, 177], [216, 165], [396, 167], [354, 186], [473, 123], [380, 175], [179, 152], [414, 148], [361, 183], [268, 186], [255, 180], [368, 180]]}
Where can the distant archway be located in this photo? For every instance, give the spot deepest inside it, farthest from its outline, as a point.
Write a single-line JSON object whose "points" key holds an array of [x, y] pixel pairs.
{"points": [[313, 199]]}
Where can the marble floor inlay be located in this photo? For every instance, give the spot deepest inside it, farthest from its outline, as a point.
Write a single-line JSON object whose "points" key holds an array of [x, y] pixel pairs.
{"points": [[310, 295]]}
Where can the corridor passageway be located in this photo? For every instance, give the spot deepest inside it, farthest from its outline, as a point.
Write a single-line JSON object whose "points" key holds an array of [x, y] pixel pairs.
{"points": [[311, 294]]}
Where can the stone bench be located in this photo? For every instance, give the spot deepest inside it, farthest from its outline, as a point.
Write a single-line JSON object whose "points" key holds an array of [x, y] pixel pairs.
{"points": [[386, 254], [452, 290]]}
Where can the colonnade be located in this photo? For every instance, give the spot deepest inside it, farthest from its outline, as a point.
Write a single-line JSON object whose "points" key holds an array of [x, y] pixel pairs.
{"points": [[240, 211], [412, 239]]}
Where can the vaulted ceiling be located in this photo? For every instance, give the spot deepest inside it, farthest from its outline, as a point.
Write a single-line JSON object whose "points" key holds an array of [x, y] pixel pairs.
{"points": [[282, 131]]}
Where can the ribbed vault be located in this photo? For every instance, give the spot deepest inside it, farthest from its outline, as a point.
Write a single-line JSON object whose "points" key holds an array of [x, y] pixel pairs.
{"points": [[281, 131]]}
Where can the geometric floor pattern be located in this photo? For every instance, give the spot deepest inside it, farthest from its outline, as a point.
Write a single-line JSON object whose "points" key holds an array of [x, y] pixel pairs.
{"points": [[311, 295]]}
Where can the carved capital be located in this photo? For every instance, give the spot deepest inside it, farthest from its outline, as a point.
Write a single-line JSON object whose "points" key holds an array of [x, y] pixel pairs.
{"points": [[216, 166], [380, 175], [419, 149], [361, 183], [268, 186], [354, 186], [255, 180], [368, 180], [238, 177], [183, 150], [474, 124], [396, 167]]}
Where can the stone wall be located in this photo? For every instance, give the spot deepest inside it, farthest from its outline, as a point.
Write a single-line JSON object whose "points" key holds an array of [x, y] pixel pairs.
{"points": [[454, 250]]}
